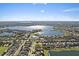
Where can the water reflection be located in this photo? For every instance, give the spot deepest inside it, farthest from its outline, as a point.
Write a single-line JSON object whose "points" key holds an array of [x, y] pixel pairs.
{"points": [[46, 30], [6, 34], [36, 27]]}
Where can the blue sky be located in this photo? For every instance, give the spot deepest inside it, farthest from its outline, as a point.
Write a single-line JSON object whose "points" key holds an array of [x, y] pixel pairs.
{"points": [[39, 12]]}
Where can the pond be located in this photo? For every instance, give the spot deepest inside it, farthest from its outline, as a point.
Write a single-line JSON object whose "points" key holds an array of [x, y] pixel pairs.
{"points": [[64, 53]]}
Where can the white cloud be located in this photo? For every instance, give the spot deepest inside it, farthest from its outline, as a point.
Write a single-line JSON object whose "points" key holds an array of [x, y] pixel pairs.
{"points": [[45, 3], [42, 11], [39, 3], [71, 10], [40, 18], [22, 18], [34, 3]]}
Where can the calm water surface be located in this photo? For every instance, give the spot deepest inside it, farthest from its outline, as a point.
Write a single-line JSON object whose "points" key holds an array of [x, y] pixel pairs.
{"points": [[64, 53], [46, 30], [6, 34]]}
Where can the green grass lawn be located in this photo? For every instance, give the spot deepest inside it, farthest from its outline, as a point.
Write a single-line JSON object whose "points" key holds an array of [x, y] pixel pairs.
{"points": [[2, 49], [46, 52]]}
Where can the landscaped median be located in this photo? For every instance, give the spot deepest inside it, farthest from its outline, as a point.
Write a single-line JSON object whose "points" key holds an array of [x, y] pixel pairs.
{"points": [[46, 52], [3, 49]]}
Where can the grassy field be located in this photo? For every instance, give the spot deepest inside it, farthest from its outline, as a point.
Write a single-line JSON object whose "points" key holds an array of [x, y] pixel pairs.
{"points": [[2, 49], [46, 52], [65, 49]]}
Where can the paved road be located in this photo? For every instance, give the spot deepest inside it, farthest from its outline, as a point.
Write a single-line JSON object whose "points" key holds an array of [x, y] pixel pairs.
{"points": [[12, 50], [18, 50]]}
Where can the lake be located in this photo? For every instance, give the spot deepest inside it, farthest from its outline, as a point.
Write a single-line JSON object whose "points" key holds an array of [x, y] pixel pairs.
{"points": [[6, 34], [64, 53], [46, 30]]}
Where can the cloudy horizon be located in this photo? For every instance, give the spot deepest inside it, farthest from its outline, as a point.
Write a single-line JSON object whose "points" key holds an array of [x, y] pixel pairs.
{"points": [[39, 12]]}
